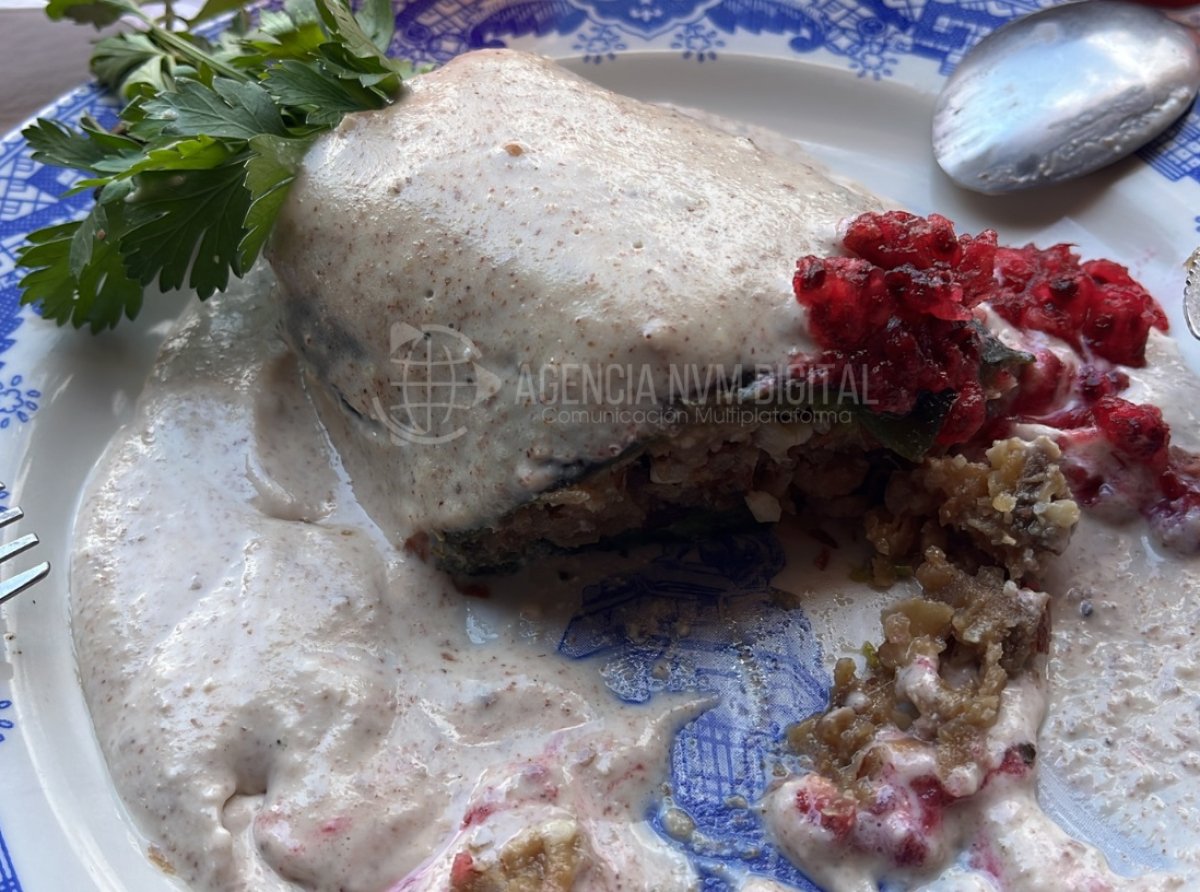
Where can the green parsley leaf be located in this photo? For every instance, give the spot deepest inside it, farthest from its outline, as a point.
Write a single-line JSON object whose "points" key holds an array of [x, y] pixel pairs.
{"points": [[214, 8], [297, 15], [155, 75], [995, 356], [199, 153], [314, 88], [89, 12], [48, 255], [378, 21], [914, 434], [97, 291], [280, 36], [226, 109], [58, 145], [269, 172], [184, 226], [191, 181], [115, 57], [344, 27]]}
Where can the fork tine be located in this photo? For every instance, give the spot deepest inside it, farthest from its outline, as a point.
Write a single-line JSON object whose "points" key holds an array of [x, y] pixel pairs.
{"points": [[17, 584], [16, 546]]}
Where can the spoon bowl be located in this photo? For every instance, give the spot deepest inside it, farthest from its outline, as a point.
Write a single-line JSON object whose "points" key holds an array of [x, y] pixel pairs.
{"points": [[1062, 92]]}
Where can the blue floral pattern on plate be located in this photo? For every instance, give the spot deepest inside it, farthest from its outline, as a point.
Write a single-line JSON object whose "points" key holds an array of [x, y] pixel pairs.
{"points": [[708, 621], [5, 724], [873, 39], [9, 882], [17, 402]]}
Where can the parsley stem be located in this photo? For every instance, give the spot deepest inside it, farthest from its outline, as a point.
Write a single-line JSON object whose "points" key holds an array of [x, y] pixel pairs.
{"points": [[190, 52]]}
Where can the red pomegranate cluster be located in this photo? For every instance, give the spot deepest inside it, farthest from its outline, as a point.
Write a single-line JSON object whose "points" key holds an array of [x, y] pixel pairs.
{"points": [[1119, 458], [1096, 306], [901, 311]]}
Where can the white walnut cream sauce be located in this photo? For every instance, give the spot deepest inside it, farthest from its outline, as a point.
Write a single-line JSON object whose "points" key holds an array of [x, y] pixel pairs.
{"points": [[621, 234], [285, 701]]}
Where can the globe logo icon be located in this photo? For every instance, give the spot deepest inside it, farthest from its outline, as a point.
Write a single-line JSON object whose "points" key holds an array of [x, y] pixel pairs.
{"points": [[436, 381]]}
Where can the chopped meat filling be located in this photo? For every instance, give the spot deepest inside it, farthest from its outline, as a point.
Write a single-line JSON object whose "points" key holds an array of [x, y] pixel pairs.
{"points": [[704, 478], [937, 677], [1013, 509]]}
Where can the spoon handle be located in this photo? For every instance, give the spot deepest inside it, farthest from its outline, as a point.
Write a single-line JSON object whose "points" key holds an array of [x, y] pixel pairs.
{"points": [[1191, 294]]}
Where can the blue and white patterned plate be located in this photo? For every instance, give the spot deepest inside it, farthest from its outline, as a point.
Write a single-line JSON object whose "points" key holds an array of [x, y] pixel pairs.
{"points": [[853, 79]]}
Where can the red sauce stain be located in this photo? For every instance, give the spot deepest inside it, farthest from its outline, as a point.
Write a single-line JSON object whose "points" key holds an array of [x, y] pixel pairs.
{"points": [[911, 852], [982, 857], [932, 799], [418, 545], [477, 814], [821, 804], [1018, 761], [335, 826]]}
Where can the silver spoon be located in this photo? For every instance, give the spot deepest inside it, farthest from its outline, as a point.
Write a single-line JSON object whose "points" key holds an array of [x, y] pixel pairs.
{"points": [[1062, 92], [1191, 295]]}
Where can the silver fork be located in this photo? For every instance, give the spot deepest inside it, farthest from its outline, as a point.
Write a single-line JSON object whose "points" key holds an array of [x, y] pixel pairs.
{"points": [[14, 585]]}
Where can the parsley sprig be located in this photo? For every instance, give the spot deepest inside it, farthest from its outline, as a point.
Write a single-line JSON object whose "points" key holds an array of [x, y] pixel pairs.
{"points": [[189, 182]]}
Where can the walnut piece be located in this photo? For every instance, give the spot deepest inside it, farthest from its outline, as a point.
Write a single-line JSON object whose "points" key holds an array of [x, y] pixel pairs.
{"points": [[544, 858]]}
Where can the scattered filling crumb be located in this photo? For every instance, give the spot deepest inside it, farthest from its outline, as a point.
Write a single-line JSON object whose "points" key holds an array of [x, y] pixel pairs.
{"points": [[545, 858]]}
